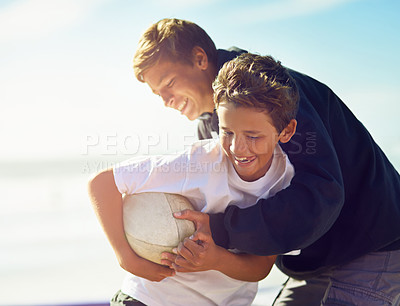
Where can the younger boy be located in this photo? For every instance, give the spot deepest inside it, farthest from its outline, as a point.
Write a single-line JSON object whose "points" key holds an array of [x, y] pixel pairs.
{"points": [[256, 100]]}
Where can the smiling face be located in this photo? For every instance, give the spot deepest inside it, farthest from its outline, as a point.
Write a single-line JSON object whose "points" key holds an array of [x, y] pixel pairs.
{"points": [[248, 139], [184, 87]]}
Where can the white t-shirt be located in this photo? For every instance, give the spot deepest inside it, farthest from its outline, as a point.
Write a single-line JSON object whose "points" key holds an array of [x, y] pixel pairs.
{"points": [[207, 178]]}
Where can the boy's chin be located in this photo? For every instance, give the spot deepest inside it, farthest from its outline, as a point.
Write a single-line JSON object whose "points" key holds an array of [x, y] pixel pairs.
{"points": [[191, 116]]}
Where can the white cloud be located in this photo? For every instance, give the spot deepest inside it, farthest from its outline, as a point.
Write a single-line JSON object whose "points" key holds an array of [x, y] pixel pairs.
{"points": [[283, 9], [32, 19]]}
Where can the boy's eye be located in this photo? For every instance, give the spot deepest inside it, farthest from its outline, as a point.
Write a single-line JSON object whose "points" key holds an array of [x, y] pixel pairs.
{"points": [[170, 83], [227, 133], [252, 137]]}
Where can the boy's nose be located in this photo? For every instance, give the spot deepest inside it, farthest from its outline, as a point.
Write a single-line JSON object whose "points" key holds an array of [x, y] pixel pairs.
{"points": [[167, 97], [238, 146], [168, 100]]}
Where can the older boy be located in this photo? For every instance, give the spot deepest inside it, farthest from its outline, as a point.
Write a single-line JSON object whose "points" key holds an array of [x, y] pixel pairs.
{"points": [[343, 204], [247, 165]]}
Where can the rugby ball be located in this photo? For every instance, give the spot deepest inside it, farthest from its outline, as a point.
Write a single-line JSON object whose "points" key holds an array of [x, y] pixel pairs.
{"points": [[149, 225]]}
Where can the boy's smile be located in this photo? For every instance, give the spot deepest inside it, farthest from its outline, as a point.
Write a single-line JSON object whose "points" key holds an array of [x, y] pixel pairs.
{"points": [[248, 139]]}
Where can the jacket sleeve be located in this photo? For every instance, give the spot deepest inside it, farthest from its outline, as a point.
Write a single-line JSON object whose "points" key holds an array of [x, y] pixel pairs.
{"points": [[300, 214]]}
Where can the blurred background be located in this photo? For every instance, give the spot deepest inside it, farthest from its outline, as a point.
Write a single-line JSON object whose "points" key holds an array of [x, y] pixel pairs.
{"points": [[71, 106]]}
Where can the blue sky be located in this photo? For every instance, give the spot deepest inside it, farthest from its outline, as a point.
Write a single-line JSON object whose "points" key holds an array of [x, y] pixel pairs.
{"points": [[68, 90]]}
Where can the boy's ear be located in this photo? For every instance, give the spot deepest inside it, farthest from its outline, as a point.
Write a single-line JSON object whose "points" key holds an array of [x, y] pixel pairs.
{"points": [[200, 58], [288, 131]]}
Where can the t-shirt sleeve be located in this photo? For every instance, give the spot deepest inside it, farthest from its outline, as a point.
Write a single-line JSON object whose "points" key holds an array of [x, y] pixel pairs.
{"points": [[151, 174], [174, 173]]}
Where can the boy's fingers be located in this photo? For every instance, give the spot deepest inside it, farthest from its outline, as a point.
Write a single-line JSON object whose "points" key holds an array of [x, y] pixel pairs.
{"points": [[167, 263], [168, 256], [169, 271], [197, 217], [193, 245], [188, 214], [179, 268], [167, 259], [184, 251], [200, 236]]}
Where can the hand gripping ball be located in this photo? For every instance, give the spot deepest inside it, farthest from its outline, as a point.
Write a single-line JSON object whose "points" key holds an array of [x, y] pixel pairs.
{"points": [[150, 227]]}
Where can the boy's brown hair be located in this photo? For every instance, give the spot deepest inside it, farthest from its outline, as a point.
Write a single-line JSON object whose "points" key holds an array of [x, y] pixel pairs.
{"points": [[260, 82], [172, 40]]}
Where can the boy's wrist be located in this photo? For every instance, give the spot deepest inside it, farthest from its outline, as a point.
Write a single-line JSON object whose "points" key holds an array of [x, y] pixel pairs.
{"points": [[222, 259]]}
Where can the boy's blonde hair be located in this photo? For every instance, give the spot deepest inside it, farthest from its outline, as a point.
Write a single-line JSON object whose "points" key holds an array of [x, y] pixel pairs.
{"points": [[260, 82], [172, 40]]}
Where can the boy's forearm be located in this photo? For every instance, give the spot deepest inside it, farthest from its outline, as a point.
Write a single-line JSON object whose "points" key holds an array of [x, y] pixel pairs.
{"points": [[107, 204], [245, 267]]}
